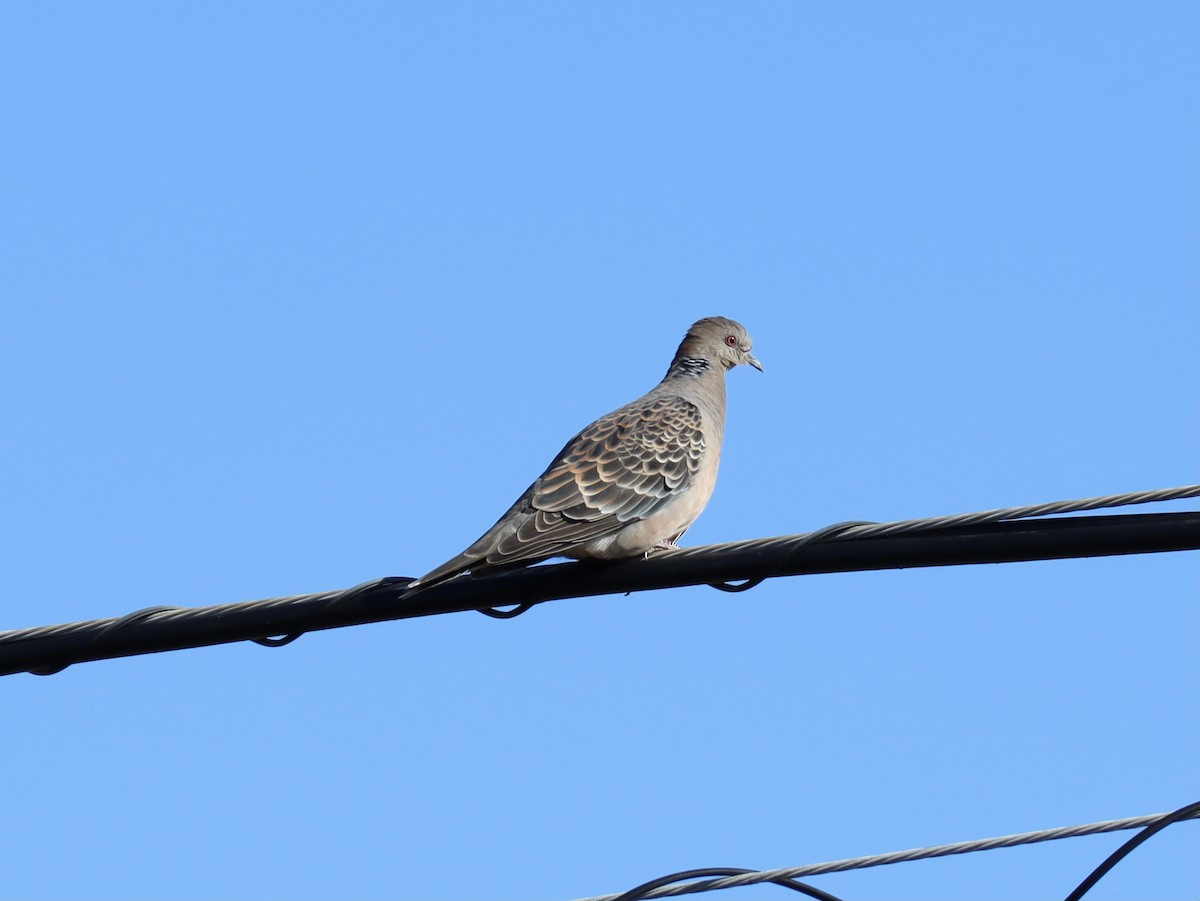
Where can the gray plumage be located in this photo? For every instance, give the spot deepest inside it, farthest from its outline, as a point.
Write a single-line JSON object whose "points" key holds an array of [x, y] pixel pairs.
{"points": [[631, 481]]}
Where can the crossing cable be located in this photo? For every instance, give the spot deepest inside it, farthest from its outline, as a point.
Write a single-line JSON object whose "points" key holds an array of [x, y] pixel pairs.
{"points": [[992, 536], [646, 889], [1151, 824]]}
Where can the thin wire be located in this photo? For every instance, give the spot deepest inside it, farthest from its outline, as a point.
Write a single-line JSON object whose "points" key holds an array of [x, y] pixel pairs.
{"points": [[795, 545], [878, 860], [1051, 508]]}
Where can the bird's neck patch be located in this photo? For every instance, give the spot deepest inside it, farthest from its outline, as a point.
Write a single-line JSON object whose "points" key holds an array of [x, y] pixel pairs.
{"points": [[691, 366]]}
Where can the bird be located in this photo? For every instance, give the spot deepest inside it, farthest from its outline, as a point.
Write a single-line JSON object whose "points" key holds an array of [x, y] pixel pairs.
{"points": [[631, 482]]}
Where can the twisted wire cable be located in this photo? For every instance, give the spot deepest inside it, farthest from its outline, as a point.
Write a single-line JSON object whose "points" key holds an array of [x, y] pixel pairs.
{"points": [[1151, 821], [326, 601], [846, 531], [278, 621]]}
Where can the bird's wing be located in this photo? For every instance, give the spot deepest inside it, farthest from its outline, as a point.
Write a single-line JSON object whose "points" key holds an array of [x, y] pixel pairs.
{"points": [[622, 468]]}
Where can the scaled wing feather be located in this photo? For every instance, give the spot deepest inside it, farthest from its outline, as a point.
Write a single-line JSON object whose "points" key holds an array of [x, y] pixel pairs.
{"points": [[620, 469]]}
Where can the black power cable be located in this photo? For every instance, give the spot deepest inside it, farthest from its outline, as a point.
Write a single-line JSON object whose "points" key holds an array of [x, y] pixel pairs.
{"points": [[48, 649], [1183, 813]]}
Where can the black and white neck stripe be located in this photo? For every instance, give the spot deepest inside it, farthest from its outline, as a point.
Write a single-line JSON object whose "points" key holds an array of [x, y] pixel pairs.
{"points": [[690, 366]]}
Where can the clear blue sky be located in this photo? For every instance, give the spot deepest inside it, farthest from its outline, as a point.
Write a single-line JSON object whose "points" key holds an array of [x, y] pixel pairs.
{"points": [[298, 295]]}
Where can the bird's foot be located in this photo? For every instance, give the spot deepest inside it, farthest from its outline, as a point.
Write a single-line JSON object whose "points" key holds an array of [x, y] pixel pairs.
{"points": [[667, 544]]}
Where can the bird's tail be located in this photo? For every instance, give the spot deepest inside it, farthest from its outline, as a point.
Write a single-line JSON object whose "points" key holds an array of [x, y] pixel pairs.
{"points": [[444, 573]]}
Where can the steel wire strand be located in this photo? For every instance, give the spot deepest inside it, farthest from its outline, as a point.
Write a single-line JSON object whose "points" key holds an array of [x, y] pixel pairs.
{"points": [[794, 545], [1029, 511], [904, 526], [1156, 821]]}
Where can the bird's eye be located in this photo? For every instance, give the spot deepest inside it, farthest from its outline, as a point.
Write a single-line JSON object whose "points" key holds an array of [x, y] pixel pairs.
{"points": [[731, 340]]}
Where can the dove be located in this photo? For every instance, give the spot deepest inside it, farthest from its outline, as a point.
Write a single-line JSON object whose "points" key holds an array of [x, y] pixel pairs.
{"points": [[631, 482]]}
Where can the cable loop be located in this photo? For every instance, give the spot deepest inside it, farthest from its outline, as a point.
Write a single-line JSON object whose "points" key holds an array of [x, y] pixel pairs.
{"points": [[334, 601], [734, 589], [277, 642], [496, 613], [797, 549]]}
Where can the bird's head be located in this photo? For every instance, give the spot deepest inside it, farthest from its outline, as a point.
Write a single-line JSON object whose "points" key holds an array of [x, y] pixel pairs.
{"points": [[721, 340]]}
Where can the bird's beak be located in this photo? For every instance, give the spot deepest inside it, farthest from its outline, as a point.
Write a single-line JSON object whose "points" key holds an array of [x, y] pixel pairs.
{"points": [[753, 361]]}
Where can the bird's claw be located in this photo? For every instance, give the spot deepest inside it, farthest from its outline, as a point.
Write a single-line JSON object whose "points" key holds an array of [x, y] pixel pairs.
{"points": [[665, 545]]}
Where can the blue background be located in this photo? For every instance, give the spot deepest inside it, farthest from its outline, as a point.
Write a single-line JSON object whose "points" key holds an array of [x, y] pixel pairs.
{"points": [[297, 295]]}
